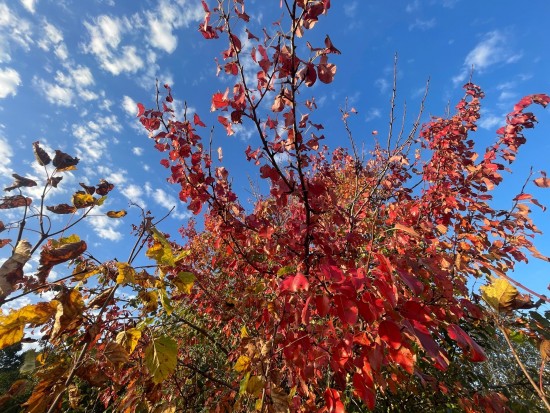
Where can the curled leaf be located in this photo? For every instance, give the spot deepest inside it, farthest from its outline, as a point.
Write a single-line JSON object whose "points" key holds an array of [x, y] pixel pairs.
{"points": [[40, 154], [62, 209], [64, 162], [500, 294], [116, 214], [104, 187], [83, 200], [20, 181], [543, 181]]}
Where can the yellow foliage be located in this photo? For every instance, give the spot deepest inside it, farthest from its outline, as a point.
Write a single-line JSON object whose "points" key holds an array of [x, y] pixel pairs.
{"points": [[242, 364], [129, 339], [126, 274], [499, 294], [13, 324]]}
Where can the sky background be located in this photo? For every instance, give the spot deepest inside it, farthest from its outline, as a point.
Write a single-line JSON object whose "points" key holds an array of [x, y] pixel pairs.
{"points": [[71, 72]]}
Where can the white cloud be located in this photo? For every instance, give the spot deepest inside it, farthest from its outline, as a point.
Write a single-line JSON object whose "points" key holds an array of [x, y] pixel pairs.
{"points": [[92, 142], [162, 36], [104, 226], [350, 9], [68, 85], [134, 193], [105, 38], [372, 114], [30, 5], [129, 105], [167, 201], [14, 31], [493, 49], [9, 81], [382, 84], [137, 151], [56, 94], [490, 121], [422, 24], [415, 5], [5, 154]]}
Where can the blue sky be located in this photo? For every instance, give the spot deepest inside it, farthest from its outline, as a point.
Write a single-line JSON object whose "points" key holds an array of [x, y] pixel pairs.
{"points": [[71, 72]]}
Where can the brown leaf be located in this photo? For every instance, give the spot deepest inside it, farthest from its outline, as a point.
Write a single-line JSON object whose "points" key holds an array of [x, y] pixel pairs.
{"points": [[49, 257], [15, 201], [11, 271], [2, 226], [64, 162], [116, 214], [115, 353], [543, 181], [69, 312], [4, 242], [89, 189], [54, 181], [104, 187], [40, 154], [62, 209], [20, 181], [99, 300]]}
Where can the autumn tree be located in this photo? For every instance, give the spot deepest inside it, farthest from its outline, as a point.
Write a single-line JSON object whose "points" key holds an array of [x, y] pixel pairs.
{"points": [[343, 282]]}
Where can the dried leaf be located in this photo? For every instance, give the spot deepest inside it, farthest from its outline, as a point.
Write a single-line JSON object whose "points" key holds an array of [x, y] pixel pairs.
{"points": [[19, 182], [83, 200], [116, 214], [15, 201], [40, 154], [64, 162], [62, 209]]}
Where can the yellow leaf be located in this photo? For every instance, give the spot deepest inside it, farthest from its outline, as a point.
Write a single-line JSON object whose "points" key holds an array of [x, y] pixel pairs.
{"points": [[182, 255], [129, 339], [85, 270], [116, 214], [184, 281], [242, 364], [150, 300], [161, 358], [499, 294], [13, 324], [69, 311], [244, 332], [161, 250], [82, 200], [126, 274], [255, 386]]}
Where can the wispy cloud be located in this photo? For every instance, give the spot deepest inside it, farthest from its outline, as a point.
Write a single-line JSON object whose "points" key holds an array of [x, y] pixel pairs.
{"points": [[492, 50], [14, 31], [422, 24]]}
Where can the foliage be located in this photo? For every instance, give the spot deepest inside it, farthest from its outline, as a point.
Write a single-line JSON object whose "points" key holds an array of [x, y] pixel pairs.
{"points": [[342, 284]]}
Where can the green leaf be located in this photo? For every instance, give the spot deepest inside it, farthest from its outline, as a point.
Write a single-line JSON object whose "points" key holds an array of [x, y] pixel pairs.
{"points": [[184, 281], [161, 357]]}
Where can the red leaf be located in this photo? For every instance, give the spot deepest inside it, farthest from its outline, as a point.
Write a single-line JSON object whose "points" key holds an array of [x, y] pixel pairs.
{"points": [[332, 399], [474, 351], [219, 100], [322, 303], [326, 70], [295, 283], [197, 121], [141, 110], [390, 333], [347, 310], [364, 392]]}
